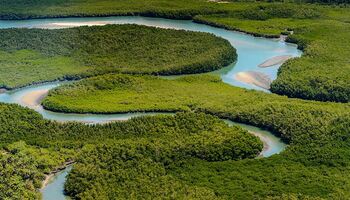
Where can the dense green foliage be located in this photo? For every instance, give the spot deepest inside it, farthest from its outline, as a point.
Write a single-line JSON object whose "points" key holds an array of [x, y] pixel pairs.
{"points": [[189, 155], [317, 132], [34, 55], [137, 168], [328, 2], [179, 9], [22, 168], [321, 74], [162, 139], [27, 9], [127, 93]]}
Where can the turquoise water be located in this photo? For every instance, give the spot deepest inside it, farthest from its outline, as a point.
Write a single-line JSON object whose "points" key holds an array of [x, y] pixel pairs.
{"points": [[54, 190], [272, 144], [16, 96], [251, 51]]}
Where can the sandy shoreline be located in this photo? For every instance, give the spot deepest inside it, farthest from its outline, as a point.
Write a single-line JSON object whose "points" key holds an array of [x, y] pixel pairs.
{"points": [[75, 24], [34, 98], [275, 61], [258, 79], [2, 90], [265, 142], [49, 176], [47, 179]]}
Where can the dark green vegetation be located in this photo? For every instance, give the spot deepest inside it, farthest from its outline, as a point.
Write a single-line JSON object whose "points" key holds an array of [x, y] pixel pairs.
{"points": [[35, 55], [22, 167], [322, 73], [179, 9], [317, 132], [321, 31], [27, 9], [154, 156], [160, 140], [127, 93]]}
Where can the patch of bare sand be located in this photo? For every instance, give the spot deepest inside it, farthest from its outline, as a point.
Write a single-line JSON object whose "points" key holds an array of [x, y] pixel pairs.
{"points": [[75, 24], [275, 61], [47, 180], [255, 78], [2, 90], [34, 98], [49, 176], [265, 141]]}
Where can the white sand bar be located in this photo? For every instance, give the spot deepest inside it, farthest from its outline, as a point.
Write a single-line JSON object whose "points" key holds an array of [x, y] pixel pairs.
{"points": [[75, 24], [34, 98], [275, 61], [255, 78]]}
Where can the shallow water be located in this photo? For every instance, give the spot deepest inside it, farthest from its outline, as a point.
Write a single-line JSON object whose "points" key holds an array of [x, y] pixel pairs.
{"points": [[54, 190], [272, 144], [17, 96], [251, 51]]}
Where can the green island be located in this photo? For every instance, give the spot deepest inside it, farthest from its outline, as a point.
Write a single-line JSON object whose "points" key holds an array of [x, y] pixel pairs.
{"points": [[191, 153], [320, 30], [156, 142], [36, 55]]}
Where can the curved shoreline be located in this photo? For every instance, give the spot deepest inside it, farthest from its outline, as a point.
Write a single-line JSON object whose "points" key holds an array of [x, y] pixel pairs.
{"points": [[59, 169], [217, 25], [3, 90], [272, 144], [54, 188], [103, 118], [277, 60], [151, 15], [239, 39], [258, 79], [31, 97]]}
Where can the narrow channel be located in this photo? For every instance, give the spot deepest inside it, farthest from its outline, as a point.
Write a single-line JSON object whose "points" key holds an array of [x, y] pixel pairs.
{"points": [[31, 97], [252, 52]]}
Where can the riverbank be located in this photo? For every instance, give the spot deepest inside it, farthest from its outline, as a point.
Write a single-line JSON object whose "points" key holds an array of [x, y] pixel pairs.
{"points": [[258, 79], [198, 20], [34, 96], [265, 141], [302, 22], [237, 39], [316, 165], [49, 176], [277, 60], [204, 52], [2, 90]]}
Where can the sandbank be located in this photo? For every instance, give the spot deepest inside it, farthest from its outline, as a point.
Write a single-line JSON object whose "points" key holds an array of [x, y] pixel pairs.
{"points": [[34, 98], [275, 61], [258, 79]]}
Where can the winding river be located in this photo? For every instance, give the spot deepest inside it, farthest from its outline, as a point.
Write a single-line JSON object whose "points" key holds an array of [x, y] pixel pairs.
{"points": [[246, 73], [252, 51]]}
